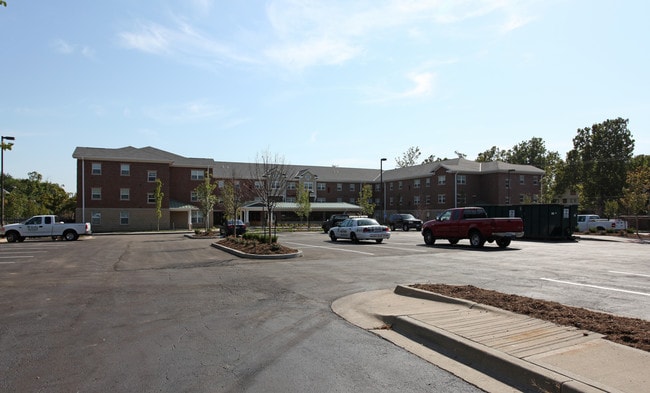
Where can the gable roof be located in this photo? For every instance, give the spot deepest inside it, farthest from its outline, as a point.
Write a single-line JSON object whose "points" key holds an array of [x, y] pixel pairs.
{"points": [[145, 154]]}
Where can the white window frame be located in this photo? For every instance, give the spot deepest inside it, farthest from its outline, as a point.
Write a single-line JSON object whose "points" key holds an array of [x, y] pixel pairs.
{"points": [[96, 168], [96, 193], [125, 194], [152, 176], [442, 180], [197, 174], [125, 169], [151, 198], [124, 218]]}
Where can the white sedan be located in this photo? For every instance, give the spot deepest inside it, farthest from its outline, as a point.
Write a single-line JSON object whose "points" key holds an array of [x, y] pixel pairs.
{"points": [[357, 229]]}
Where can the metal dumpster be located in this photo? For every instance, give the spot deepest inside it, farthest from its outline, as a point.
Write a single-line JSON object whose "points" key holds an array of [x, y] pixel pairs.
{"points": [[541, 221]]}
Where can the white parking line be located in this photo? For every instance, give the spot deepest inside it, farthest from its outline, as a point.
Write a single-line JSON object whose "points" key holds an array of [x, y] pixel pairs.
{"points": [[403, 249], [630, 274], [17, 256], [595, 286], [331, 248], [6, 263]]}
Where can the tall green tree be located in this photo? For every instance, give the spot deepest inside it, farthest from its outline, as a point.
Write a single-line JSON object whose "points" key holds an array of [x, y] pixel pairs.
{"points": [[158, 196], [32, 196], [636, 193], [304, 204], [206, 198], [365, 200], [599, 161], [492, 154]]}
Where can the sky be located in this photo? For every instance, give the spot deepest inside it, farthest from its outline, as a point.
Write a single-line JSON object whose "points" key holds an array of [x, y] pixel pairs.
{"points": [[322, 83]]}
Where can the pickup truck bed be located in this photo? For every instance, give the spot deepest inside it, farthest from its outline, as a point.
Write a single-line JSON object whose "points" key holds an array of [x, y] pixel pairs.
{"points": [[472, 223]]}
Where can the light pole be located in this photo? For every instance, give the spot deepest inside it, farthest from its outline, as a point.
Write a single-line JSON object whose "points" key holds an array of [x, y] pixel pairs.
{"points": [[383, 190], [2, 173]]}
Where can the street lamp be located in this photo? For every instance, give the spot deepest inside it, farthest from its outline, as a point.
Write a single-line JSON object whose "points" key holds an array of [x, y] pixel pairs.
{"points": [[2, 173], [383, 190]]}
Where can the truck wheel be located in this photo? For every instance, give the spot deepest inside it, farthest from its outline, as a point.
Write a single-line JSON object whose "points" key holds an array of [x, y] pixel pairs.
{"points": [[503, 242], [392, 227], [428, 238], [332, 236], [405, 228], [476, 240], [12, 236], [70, 235], [354, 238], [325, 229]]}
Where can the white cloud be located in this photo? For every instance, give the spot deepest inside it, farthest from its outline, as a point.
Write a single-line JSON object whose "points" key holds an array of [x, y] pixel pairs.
{"points": [[62, 47], [423, 84], [186, 112]]}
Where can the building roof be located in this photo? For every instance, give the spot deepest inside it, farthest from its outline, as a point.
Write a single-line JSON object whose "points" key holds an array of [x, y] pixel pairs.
{"points": [[145, 154], [245, 170], [315, 206]]}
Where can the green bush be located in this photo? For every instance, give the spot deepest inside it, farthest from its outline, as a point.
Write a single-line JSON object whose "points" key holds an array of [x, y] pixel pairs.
{"points": [[262, 238]]}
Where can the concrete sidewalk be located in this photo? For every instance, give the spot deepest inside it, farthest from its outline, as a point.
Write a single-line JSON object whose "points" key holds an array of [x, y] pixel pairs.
{"points": [[495, 349]]}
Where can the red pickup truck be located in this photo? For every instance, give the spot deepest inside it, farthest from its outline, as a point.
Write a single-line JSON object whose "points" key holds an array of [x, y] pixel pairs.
{"points": [[472, 223]]}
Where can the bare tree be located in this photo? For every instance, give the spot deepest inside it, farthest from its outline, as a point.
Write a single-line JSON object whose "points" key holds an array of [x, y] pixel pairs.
{"points": [[270, 174]]}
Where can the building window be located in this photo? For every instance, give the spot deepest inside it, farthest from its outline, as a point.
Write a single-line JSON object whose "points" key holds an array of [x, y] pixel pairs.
{"points": [[507, 183], [124, 218], [378, 187], [427, 182], [339, 199], [291, 200], [308, 185], [321, 200], [339, 187], [152, 176], [461, 179], [151, 197], [258, 185], [442, 180], [416, 200], [427, 199], [442, 199], [124, 194], [461, 199], [96, 193], [220, 184], [125, 170], [399, 185], [96, 218], [522, 197], [522, 179], [96, 168], [416, 183], [291, 185], [197, 217], [535, 180], [320, 186], [390, 186], [352, 201], [194, 197], [275, 184], [197, 174], [400, 200], [391, 201], [351, 186]]}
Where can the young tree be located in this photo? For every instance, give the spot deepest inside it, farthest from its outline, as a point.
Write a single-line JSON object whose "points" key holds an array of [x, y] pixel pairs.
{"points": [[304, 204], [365, 200], [206, 198], [599, 161], [636, 193], [270, 174], [158, 195]]}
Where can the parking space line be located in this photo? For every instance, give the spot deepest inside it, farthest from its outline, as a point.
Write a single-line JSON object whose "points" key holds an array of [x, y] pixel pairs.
{"points": [[403, 249], [630, 274], [595, 286], [6, 263], [17, 256], [331, 248]]}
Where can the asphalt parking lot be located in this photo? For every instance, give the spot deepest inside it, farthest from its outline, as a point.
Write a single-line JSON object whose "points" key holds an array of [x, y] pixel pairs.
{"points": [[161, 312]]}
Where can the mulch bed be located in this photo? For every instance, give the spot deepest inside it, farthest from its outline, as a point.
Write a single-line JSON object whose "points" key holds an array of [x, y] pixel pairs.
{"points": [[255, 247], [632, 332]]}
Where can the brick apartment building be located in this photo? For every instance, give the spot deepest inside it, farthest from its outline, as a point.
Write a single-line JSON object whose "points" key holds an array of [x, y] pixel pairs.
{"points": [[115, 188]]}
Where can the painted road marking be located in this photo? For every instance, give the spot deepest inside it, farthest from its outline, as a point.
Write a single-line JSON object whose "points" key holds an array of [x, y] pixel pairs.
{"points": [[595, 286], [331, 248], [630, 274]]}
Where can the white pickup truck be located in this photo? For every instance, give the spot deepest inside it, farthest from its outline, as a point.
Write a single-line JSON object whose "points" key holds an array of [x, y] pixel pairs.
{"points": [[42, 226], [588, 222]]}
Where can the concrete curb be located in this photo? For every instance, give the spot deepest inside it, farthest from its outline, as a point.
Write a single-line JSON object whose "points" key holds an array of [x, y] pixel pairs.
{"points": [[256, 256]]}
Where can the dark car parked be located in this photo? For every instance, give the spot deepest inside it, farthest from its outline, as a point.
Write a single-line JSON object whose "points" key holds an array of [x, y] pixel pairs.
{"points": [[333, 221], [404, 221], [232, 227]]}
